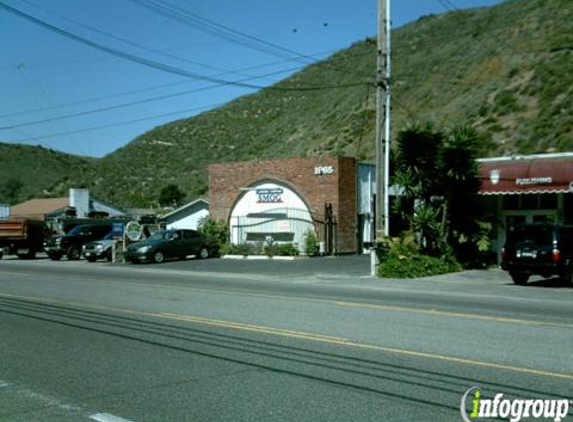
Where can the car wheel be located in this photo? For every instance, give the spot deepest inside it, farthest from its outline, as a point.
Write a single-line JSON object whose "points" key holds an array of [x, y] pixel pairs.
{"points": [[204, 252], [73, 253], [519, 278], [109, 255], [158, 257]]}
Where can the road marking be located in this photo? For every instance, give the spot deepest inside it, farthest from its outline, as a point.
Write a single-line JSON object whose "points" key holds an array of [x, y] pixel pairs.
{"points": [[334, 301], [40, 397], [106, 417], [307, 336], [449, 314], [250, 327]]}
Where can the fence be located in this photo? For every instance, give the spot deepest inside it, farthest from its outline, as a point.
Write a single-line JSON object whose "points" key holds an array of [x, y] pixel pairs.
{"points": [[283, 225]]}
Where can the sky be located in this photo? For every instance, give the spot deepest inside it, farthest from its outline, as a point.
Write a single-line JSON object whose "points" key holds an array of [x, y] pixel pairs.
{"points": [[88, 76]]}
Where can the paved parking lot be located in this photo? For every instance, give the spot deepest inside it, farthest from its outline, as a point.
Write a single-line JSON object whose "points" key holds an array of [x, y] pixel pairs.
{"points": [[345, 266]]}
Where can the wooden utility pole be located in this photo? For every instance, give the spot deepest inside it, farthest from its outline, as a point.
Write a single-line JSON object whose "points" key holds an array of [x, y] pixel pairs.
{"points": [[382, 124]]}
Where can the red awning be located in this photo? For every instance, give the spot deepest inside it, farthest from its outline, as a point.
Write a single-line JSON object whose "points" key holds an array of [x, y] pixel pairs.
{"points": [[526, 175]]}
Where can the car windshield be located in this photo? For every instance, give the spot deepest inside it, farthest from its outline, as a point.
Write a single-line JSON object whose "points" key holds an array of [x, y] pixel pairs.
{"points": [[79, 230], [112, 235], [161, 235], [535, 234]]}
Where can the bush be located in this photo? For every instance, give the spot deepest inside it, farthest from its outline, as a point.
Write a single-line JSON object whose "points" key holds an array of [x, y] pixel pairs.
{"points": [[311, 247], [243, 249], [288, 249], [271, 250], [416, 266], [217, 229]]}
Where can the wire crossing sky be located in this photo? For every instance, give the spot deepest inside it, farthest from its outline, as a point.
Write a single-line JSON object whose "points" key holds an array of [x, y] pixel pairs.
{"points": [[88, 77]]}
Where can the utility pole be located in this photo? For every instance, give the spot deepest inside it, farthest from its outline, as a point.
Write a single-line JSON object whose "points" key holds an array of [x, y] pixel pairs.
{"points": [[382, 127]]}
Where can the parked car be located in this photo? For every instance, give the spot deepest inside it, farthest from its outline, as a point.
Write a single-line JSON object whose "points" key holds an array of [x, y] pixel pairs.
{"points": [[539, 249], [100, 249], [71, 244], [23, 238], [165, 244]]}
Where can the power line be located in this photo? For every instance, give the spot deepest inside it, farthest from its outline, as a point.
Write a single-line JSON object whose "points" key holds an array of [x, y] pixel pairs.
{"points": [[137, 91], [161, 97], [126, 122], [216, 29], [141, 60], [132, 43]]}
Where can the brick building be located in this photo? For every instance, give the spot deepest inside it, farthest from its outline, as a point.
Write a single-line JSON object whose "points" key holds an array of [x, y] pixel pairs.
{"points": [[283, 199]]}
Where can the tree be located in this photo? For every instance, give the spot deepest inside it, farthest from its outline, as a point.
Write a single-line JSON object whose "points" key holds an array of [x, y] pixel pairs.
{"points": [[12, 188], [171, 196], [438, 175], [460, 179]]}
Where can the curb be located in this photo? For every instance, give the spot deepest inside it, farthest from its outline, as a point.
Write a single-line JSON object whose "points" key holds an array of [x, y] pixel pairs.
{"points": [[260, 257]]}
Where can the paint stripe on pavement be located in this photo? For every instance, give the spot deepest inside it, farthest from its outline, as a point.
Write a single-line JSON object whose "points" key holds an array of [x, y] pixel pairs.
{"points": [[106, 417]]}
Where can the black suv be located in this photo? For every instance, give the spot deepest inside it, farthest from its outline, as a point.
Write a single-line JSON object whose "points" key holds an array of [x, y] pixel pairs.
{"points": [[71, 244], [539, 249]]}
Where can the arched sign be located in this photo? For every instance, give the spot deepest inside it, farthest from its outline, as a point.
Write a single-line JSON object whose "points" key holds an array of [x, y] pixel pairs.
{"points": [[270, 210]]}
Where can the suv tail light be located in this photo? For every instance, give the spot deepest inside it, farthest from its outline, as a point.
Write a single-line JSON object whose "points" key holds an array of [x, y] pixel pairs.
{"points": [[503, 254], [556, 255]]}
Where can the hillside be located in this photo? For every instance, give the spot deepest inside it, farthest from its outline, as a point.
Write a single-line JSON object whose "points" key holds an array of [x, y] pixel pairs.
{"points": [[35, 169], [507, 70]]}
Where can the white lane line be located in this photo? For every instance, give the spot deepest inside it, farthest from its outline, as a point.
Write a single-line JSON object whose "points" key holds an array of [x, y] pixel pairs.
{"points": [[42, 398], [106, 417]]}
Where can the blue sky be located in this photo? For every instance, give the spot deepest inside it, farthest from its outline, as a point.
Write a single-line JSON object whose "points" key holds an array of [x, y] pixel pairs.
{"points": [[69, 96]]}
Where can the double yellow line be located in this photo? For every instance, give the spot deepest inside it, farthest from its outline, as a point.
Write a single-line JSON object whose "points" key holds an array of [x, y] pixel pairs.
{"points": [[302, 336]]}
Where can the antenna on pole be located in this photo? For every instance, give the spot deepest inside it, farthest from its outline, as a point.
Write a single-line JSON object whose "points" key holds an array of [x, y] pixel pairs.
{"points": [[382, 128]]}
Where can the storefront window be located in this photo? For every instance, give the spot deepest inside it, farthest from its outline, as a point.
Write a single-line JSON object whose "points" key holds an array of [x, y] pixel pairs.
{"points": [[511, 202], [549, 219], [529, 202], [568, 208], [548, 202]]}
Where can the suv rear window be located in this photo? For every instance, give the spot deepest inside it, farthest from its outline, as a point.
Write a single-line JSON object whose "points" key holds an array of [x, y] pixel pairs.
{"points": [[535, 234]]}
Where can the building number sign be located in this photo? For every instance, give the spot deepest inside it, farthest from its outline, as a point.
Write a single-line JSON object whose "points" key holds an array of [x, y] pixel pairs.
{"points": [[320, 171], [267, 196]]}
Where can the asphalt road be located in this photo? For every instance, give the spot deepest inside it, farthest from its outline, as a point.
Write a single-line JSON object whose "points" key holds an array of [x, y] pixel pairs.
{"points": [[313, 340]]}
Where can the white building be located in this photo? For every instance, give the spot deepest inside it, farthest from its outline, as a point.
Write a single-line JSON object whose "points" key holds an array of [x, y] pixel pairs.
{"points": [[187, 216]]}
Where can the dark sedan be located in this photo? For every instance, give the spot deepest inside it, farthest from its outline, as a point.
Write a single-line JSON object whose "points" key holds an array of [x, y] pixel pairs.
{"points": [[166, 244]]}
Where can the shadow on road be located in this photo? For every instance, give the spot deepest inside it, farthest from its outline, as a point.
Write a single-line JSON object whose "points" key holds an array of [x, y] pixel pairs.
{"points": [[394, 380]]}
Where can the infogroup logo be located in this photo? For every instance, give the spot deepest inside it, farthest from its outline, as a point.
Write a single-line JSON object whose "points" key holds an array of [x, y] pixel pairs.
{"points": [[514, 409]]}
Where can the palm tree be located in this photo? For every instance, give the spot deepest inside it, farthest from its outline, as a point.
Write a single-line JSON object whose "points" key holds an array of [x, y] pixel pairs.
{"points": [[459, 177]]}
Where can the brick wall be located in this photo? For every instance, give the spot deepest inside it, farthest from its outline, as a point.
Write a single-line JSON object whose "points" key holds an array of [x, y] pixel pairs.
{"points": [[338, 188]]}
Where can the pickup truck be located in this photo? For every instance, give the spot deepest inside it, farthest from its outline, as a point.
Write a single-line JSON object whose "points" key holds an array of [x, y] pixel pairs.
{"points": [[23, 238], [539, 249]]}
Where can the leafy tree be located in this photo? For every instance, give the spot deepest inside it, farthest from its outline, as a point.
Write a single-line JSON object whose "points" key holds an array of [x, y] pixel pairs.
{"points": [[171, 196], [438, 174], [12, 188], [218, 229]]}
